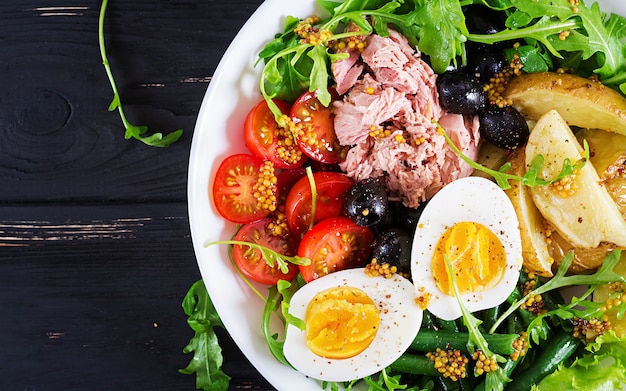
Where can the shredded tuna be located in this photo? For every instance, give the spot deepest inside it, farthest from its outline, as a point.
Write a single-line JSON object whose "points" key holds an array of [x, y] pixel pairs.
{"points": [[389, 116]]}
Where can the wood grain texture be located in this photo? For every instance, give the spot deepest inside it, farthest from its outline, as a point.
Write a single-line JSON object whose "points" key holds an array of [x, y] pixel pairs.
{"points": [[55, 127], [95, 248]]}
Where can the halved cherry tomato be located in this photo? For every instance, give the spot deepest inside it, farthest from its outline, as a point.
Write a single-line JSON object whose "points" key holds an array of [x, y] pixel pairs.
{"points": [[316, 130], [330, 187], [250, 260], [234, 186], [264, 138], [334, 244]]}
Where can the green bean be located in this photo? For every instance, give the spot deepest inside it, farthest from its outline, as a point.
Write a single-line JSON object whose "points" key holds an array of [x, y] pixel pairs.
{"points": [[447, 384], [448, 325], [415, 364], [556, 351], [429, 320], [429, 340], [490, 316]]}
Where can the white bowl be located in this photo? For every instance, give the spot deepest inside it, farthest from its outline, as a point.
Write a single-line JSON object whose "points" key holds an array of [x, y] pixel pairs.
{"points": [[233, 90]]}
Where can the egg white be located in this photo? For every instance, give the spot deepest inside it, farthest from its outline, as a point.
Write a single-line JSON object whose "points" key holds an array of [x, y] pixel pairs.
{"points": [[471, 199], [400, 320]]}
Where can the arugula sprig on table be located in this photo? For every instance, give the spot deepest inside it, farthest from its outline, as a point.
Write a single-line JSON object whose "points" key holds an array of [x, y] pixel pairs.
{"points": [[207, 354], [132, 131]]}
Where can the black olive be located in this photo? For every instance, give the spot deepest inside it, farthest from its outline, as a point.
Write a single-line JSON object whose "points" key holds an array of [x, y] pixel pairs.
{"points": [[461, 93], [484, 65], [366, 202], [405, 217], [393, 246], [504, 127], [480, 19]]}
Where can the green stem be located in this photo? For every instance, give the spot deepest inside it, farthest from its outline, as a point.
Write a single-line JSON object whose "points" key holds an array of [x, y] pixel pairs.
{"points": [[132, 131], [107, 66]]}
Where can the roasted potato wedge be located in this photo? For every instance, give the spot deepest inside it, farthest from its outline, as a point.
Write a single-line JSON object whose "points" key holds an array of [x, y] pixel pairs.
{"points": [[608, 156], [581, 102], [578, 206], [490, 156], [535, 252], [585, 260]]}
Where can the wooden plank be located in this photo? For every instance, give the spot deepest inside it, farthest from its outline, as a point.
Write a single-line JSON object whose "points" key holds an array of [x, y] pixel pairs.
{"points": [[55, 131], [91, 299]]}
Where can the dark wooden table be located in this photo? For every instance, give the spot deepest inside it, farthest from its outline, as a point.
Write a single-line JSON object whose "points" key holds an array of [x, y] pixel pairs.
{"points": [[95, 247]]}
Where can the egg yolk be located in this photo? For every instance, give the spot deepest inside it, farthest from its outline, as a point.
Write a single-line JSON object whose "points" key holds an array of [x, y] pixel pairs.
{"points": [[341, 322], [476, 255]]}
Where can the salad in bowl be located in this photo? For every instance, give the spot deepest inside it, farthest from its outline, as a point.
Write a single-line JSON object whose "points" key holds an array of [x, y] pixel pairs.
{"points": [[405, 194]]}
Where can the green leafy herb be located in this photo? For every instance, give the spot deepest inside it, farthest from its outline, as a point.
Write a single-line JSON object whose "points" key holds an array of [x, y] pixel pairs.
{"points": [[592, 40], [384, 382], [207, 353], [604, 275], [531, 177], [595, 42], [279, 297], [271, 257], [494, 380], [288, 72], [132, 131]]}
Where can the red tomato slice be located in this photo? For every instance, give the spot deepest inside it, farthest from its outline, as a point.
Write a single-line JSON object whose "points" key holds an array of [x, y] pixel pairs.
{"points": [[334, 244], [250, 261], [233, 189], [316, 130], [330, 187], [266, 139]]}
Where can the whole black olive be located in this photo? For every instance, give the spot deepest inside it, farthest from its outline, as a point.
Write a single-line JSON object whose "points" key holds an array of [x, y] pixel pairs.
{"points": [[504, 127], [484, 65], [461, 93], [393, 246], [366, 202], [480, 19]]}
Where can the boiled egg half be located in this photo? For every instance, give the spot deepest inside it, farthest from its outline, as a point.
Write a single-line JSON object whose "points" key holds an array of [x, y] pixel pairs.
{"points": [[356, 325], [472, 223]]}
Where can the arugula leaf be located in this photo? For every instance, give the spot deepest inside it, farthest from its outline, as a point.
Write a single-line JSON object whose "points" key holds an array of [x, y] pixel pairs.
{"points": [[279, 297], [531, 177], [132, 131], [384, 382], [593, 42], [271, 257], [207, 354], [603, 275], [442, 31], [494, 380]]}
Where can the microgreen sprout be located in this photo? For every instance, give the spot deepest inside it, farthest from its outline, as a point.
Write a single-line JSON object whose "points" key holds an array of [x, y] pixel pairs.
{"points": [[384, 382], [494, 380], [604, 275], [531, 178], [279, 296], [271, 257], [314, 195], [132, 131]]}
